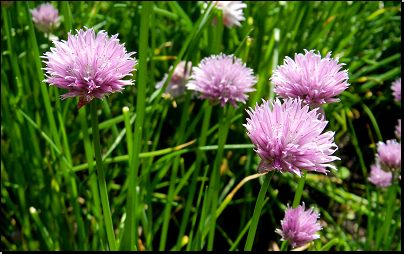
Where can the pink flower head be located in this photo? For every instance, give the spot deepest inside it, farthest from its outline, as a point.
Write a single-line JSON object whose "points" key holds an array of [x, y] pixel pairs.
{"points": [[379, 177], [288, 138], [398, 130], [299, 226], [389, 155], [311, 78], [176, 85], [219, 78], [89, 66], [396, 87], [46, 17], [232, 12]]}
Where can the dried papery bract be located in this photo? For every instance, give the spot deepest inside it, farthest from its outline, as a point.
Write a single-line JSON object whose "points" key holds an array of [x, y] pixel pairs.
{"points": [[379, 177], [299, 226], [89, 66], [396, 87], [314, 79], [46, 18], [289, 138], [220, 78]]}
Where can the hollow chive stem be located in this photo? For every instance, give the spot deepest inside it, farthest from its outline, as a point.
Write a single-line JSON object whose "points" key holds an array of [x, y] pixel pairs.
{"points": [[215, 178], [215, 185], [285, 245], [299, 190], [257, 211], [101, 176]]}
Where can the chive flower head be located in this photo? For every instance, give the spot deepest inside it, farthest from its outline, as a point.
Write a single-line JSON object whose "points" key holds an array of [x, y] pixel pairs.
{"points": [[379, 177], [232, 12], [389, 155], [176, 85], [89, 65], [314, 79], [299, 226], [289, 138], [46, 17], [396, 87], [221, 79]]}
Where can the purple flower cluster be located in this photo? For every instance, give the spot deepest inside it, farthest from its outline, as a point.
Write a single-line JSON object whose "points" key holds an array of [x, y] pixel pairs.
{"points": [[396, 87], [232, 12], [314, 79], [221, 79], [398, 130], [299, 226], [176, 85], [288, 138], [379, 177], [46, 17], [389, 155], [89, 66]]}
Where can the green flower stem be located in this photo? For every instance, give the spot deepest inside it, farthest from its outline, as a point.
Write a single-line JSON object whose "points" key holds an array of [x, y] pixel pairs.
{"points": [[372, 221], [219, 32], [373, 120], [89, 156], [204, 210], [93, 179], [126, 243], [129, 135], [385, 230], [234, 245], [101, 176], [223, 131], [285, 245], [257, 211], [184, 119], [130, 232], [66, 13], [167, 209], [215, 179], [191, 194], [241, 46], [198, 202], [299, 190]]}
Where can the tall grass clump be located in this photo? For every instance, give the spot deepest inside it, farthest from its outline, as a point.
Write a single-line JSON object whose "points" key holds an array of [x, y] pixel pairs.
{"points": [[242, 125]]}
